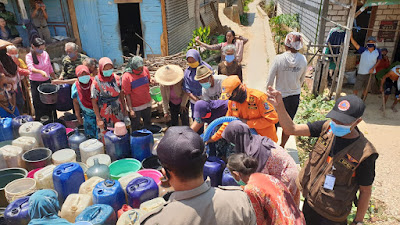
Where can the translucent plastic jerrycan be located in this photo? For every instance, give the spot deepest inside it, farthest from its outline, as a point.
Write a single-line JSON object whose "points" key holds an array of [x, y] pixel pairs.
{"points": [[74, 205]]}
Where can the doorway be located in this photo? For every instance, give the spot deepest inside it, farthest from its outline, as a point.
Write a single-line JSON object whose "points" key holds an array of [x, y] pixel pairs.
{"points": [[362, 21], [130, 25]]}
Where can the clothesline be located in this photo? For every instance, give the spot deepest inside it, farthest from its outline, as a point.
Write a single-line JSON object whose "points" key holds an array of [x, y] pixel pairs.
{"points": [[361, 28]]}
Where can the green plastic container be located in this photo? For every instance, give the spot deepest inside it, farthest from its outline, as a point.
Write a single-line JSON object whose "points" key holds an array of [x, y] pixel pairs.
{"points": [[124, 167], [221, 38], [155, 93]]}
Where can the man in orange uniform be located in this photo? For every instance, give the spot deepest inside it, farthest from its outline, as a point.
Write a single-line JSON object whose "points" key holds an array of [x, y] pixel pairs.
{"points": [[251, 106]]}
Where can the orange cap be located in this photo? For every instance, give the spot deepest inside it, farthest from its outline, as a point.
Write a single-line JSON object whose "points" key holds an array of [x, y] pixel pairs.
{"points": [[229, 85]]}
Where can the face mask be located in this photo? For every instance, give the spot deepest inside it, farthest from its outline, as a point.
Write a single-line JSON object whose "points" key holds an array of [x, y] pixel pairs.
{"points": [[107, 73], [72, 55], [84, 79], [137, 72], [371, 45], [39, 51], [194, 65], [229, 58], [206, 85], [14, 56], [240, 182], [240, 96], [339, 130]]}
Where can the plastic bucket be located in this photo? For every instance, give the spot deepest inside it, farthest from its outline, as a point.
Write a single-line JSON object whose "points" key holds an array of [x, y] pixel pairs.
{"points": [[7, 176], [48, 93], [124, 167], [19, 188], [155, 93], [153, 174], [151, 163], [37, 158], [31, 173]]}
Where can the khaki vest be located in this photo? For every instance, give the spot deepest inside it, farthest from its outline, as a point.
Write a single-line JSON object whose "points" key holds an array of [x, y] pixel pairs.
{"points": [[333, 204]]}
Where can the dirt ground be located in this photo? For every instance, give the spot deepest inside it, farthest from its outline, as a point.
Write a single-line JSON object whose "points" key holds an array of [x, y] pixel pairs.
{"points": [[381, 131]]}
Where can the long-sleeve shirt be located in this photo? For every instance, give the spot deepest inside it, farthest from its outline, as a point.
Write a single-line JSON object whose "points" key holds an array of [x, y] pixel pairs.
{"points": [[239, 49], [258, 112], [289, 70], [44, 64]]}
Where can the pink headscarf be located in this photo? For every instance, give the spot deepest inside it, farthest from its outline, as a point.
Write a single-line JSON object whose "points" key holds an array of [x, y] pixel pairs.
{"points": [[102, 63], [294, 40]]}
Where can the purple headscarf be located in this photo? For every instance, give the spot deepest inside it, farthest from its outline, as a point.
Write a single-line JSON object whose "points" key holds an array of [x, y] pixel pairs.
{"points": [[190, 85], [218, 108], [256, 146]]}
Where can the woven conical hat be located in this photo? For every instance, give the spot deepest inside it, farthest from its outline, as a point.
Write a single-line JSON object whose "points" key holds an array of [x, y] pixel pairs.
{"points": [[169, 75]]}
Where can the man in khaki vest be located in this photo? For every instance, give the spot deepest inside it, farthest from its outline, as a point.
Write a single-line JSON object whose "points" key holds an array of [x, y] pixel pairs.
{"points": [[342, 162], [182, 155]]}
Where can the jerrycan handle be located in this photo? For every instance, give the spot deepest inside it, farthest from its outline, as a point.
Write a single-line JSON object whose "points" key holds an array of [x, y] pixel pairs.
{"points": [[133, 217], [109, 183], [95, 213]]}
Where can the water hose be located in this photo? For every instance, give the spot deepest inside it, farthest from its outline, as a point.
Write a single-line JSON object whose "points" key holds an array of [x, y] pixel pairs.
{"points": [[210, 128]]}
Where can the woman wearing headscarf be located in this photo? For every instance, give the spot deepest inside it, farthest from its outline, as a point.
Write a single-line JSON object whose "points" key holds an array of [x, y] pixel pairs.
{"points": [[80, 93], [44, 208], [271, 199], [272, 159], [230, 39], [175, 100], [107, 97], [39, 65], [190, 85], [135, 84]]}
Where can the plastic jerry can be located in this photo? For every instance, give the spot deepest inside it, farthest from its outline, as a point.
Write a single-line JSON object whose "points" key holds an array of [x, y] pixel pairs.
{"points": [[89, 148], [44, 177], [67, 178], [227, 178], [63, 156], [141, 189], [109, 192], [130, 217], [141, 144], [152, 204], [18, 121], [128, 178], [98, 214], [32, 129], [12, 155], [75, 140], [26, 143], [117, 147], [88, 186], [54, 136], [74, 205], [103, 159], [6, 131], [213, 168], [124, 208], [17, 212]]}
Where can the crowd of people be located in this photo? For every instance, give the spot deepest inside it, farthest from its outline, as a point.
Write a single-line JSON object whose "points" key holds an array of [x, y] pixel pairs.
{"points": [[270, 184]]}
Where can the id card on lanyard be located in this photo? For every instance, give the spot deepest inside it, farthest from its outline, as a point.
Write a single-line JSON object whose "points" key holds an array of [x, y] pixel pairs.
{"points": [[330, 179]]}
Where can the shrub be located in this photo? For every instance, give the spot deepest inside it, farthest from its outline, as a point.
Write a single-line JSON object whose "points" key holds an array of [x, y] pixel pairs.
{"points": [[204, 35], [279, 24]]}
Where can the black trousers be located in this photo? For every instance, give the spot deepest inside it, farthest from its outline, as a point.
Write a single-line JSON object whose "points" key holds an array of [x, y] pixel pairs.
{"points": [[145, 114], [42, 109], [313, 218], [175, 111], [291, 105]]}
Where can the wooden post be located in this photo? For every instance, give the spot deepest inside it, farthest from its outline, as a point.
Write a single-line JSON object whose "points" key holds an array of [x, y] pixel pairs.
{"points": [[22, 9], [346, 45], [164, 35], [317, 76], [324, 76], [335, 74], [215, 13], [74, 22]]}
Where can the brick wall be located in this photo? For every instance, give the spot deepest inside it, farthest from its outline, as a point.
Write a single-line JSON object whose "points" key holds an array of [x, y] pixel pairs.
{"points": [[338, 14], [387, 12]]}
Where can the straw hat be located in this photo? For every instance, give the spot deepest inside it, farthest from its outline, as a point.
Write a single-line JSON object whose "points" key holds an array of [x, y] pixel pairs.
{"points": [[202, 72], [169, 75], [4, 44]]}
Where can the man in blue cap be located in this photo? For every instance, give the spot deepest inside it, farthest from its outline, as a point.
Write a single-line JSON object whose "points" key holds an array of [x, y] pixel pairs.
{"points": [[370, 59], [342, 162]]}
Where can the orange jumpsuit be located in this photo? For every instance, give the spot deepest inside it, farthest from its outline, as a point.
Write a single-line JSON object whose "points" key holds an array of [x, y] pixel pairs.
{"points": [[258, 112]]}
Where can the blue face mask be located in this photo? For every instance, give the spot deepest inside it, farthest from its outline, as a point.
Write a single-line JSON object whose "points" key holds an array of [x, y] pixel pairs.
{"points": [[107, 73], [229, 58], [339, 130], [84, 79], [39, 51], [206, 85], [72, 55], [371, 45]]}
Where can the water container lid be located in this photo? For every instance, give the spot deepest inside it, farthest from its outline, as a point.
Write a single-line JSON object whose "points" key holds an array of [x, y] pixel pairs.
{"points": [[51, 126], [64, 155]]}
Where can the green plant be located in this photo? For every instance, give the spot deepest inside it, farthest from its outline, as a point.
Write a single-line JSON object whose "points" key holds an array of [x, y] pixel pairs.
{"points": [[246, 5], [311, 109], [204, 34], [280, 25], [244, 19], [269, 8]]}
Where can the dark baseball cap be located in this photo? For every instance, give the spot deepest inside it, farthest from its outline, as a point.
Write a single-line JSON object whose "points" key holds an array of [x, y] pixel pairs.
{"points": [[201, 108], [347, 109], [180, 148]]}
